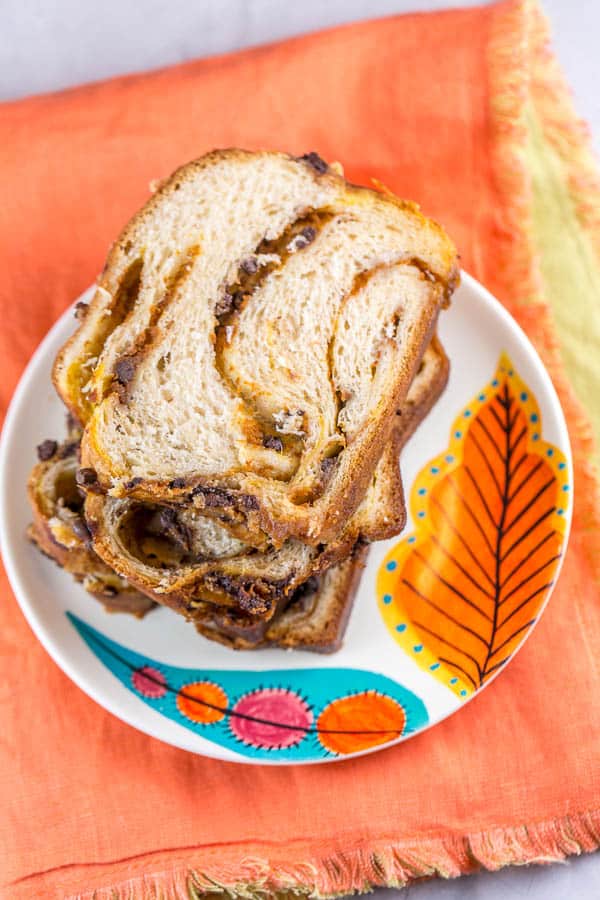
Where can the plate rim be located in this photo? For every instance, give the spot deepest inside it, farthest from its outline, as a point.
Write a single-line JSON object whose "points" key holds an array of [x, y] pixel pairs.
{"points": [[103, 697]]}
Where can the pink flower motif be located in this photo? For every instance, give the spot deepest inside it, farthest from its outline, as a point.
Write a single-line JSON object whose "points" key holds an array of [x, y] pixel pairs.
{"points": [[278, 709], [149, 682]]}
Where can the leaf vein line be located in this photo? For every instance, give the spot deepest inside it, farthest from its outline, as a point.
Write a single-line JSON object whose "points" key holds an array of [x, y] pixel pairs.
{"points": [[479, 421], [450, 586], [524, 603], [518, 440], [486, 461], [499, 535], [453, 528], [529, 556], [499, 421], [476, 521], [511, 423], [442, 640], [532, 575], [529, 504], [512, 636], [497, 665], [461, 568], [507, 402], [526, 479], [481, 497], [463, 672], [529, 531], [443, 612], [518, 466]]}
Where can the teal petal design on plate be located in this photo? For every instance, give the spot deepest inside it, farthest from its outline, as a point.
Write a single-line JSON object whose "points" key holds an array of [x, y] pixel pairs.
{"points": [[270, 714]]}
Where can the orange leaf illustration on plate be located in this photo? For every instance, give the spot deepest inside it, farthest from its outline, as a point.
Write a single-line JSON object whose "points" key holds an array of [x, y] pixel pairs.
{"points": [[461, 593]]}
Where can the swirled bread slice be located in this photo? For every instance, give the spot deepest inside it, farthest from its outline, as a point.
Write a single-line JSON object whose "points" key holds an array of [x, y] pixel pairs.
{"points": [[59, 530], [313, 618], [253, 332], [186, 560]]}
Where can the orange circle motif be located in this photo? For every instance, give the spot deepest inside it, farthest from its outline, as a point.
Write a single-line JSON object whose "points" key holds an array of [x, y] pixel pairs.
{"points": [[197, 702], [359, 722]]}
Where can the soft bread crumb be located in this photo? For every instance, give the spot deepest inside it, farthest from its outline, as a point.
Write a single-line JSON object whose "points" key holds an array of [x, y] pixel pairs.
{"points": [[334, 329]]}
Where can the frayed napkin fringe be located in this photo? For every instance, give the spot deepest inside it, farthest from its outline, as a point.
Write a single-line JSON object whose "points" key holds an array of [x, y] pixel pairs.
{"points": [[523, 72], [391, 865], [513, 67]]}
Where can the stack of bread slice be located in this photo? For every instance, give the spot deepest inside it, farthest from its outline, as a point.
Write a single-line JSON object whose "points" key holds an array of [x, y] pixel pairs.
{"points": [[260, 345]]}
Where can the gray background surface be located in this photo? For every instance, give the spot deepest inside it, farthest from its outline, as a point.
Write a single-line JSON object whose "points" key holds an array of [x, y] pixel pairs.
{"points": [[47, 46]]}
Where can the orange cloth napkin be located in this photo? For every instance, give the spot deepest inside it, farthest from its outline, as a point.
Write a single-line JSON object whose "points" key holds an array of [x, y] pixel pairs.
{"points": [[435, 107]]}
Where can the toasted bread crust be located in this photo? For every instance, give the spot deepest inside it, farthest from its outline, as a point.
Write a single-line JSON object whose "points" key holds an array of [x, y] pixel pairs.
{"points": [[56, 540], [226, 582], [256, 515], [283, 631], [333, 598], [232, 582], [412, 414], [200, 593]]}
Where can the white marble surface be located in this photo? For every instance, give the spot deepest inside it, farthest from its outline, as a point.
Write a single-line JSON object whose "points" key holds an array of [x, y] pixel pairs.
{"points": [[46, 46]]}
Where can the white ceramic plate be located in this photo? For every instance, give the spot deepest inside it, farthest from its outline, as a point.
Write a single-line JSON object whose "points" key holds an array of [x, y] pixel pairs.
{"points": [[440, 610]]}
